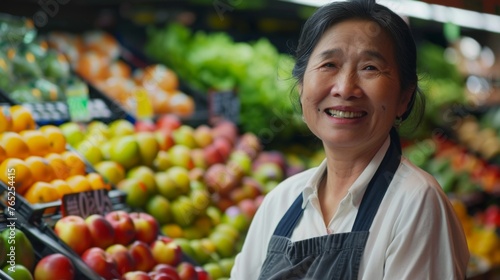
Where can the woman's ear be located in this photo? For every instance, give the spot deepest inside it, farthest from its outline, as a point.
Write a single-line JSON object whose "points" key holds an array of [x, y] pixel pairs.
{"points": [[406, 99]]}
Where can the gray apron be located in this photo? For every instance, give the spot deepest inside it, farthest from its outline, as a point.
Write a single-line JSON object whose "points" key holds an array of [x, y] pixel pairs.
{"points": [[334, 256]]}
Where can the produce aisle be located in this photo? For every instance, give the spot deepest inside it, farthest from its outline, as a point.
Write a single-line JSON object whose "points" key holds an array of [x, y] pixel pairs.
{"points": [[138, 138]]}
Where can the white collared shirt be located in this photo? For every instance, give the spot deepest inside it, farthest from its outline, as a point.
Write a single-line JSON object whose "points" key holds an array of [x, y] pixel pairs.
{"points": [[415, 233]]}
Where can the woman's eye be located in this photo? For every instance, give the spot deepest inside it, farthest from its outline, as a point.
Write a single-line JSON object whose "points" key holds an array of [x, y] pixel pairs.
{"points": [[328, 65], [370, 67]]}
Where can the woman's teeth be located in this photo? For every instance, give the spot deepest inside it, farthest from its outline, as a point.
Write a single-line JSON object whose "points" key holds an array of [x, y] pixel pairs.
{"points": [[344, 114]]}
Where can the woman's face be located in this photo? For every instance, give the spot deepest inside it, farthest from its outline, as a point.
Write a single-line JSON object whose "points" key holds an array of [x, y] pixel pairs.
{"points": [[351, 92]]}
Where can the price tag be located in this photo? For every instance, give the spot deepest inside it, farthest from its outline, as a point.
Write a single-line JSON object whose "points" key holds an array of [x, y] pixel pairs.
{"points": [[223, 105], [78, 108], [84, 204]]}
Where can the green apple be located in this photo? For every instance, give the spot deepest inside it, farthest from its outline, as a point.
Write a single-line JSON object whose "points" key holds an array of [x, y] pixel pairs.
{"points": [[3, 251], [19, 246], [148, 147], [201, 254], [227, 230], [180, 155], [192, 233], [125, 151], [159, 207], [90, 151], [120, 127], [166, 186], [184, 135], [162, 161], [215, 214], [214, 270], [136, 190], [227, 265], [201, 199], [183, 211], [18, 272], [224, 244], [146, 175], [98, 127], [180, 176], [106, 149], [185, 245], [243, 160], [73, 133], [112, 171]]}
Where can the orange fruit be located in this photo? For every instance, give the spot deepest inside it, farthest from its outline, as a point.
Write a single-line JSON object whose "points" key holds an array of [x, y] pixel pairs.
{"points": [[37, 143], [75, 163], [21, 118], [62, 187], [5, 119], [97, 181], [3, 154], [161, 76], [58, 165], [79, 183], [182, 104], [119, 69], [40, 169], [41, 192], [15, 172], [14, 145], [92, 66], [57, 141]]}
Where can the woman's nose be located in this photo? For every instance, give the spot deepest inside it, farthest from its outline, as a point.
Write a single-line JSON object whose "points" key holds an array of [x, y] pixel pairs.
{"points": [[346, 85]]}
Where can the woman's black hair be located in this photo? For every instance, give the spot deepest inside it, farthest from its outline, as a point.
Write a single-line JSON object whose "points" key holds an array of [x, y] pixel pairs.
{"points": [[338, 11]]}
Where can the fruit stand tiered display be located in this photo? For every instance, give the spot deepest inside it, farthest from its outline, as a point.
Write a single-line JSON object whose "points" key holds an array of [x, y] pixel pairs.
{"points": [[138, 141]]}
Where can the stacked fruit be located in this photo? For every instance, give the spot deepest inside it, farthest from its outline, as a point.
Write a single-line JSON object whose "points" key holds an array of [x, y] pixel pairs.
{"points": [[95, 55], [21, 262], [481, 231], [122, 245], [202, 184], [37, 165]]}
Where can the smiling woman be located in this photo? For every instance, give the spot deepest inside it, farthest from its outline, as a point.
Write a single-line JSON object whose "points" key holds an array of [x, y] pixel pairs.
{"points": [[365, 212]]}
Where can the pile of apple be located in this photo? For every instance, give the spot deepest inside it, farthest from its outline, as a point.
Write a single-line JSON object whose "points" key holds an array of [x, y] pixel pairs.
{"points": [[197, 182], [20, 261], [122, 245]]}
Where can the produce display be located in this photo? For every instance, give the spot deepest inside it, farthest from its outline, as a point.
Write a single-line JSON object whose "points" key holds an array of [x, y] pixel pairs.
{"points": [[257, 72], [148, 91]]}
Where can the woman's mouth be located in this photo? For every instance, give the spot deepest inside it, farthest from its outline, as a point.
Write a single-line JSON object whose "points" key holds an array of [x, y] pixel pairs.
{"points": [[344, 114]]}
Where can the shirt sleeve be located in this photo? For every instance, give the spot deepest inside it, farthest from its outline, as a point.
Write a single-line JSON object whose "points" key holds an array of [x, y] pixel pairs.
{"points": [[429, 242], [248, 262]]}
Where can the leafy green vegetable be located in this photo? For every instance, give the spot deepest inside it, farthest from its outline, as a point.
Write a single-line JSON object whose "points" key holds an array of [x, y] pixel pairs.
{"points": [[256, 70]]}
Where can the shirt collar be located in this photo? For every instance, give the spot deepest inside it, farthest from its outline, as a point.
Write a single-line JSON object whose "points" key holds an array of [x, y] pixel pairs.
{"points": [[357, 189]]}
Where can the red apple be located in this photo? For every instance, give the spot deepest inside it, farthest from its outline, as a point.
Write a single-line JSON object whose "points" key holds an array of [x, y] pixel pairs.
{"points": [[259, 199], [187, 271], [146, 226], [101, 262], [248, 207], [103, 234], [212, 155], [74, 232], [202, 273], [168, 121], [122, 257], [159, 276], [167, 269], [220, 180], [54, 266], [144, 125], [142, 255], [135, 275], [123, 226], [226, 129], [250, 144], [166, 251], [224, 146]]}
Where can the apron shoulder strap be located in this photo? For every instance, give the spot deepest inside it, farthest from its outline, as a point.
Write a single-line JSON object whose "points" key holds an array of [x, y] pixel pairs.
{"points": [[290, 219], [377, 187]]}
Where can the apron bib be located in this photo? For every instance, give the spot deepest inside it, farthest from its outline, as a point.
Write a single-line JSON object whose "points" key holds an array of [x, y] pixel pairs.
{"points": [[333, 256]]}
